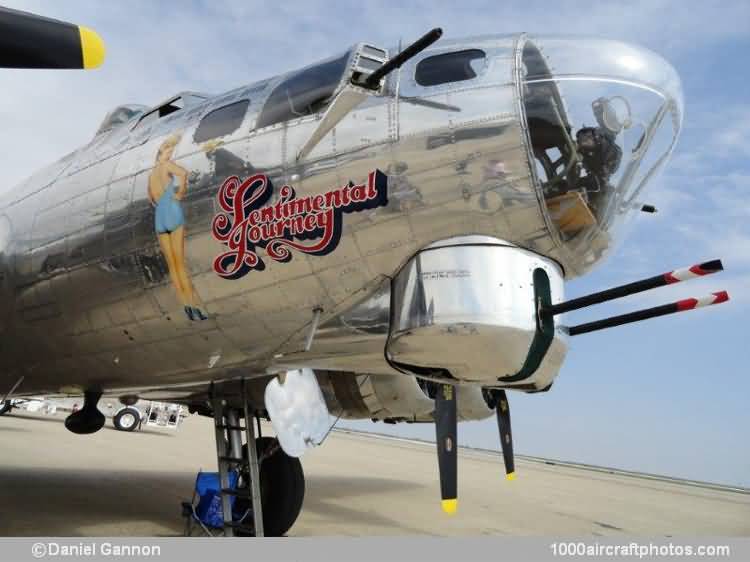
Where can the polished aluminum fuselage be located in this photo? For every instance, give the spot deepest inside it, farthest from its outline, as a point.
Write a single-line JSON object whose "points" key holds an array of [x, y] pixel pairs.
{"points": [[85, 295]]}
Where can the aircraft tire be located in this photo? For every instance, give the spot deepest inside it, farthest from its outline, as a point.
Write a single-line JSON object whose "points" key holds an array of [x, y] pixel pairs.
{"points": [[5, 407], [282, 489], [126, 419]]}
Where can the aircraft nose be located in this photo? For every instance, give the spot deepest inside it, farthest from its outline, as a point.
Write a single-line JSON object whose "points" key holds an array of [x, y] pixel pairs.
{"points": [[601, 119]]}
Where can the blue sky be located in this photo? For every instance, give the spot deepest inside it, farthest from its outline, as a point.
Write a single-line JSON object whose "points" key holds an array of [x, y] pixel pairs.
{"points": [[667, 396]]}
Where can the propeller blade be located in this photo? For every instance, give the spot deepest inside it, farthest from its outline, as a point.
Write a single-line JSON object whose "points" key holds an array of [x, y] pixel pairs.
{"points": [[506, 437], [31, 41], [446, 427]]}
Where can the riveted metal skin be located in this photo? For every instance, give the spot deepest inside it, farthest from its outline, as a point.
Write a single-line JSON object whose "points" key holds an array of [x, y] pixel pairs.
{"points": [[85, 295], [475, 294]]}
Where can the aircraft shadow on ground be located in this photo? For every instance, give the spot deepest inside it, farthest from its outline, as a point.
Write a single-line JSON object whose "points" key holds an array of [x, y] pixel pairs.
{"points": [[74, 502], [323, 495]]}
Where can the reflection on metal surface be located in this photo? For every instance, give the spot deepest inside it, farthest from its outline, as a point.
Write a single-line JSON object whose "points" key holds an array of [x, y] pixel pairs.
{"points": [[477, 295], [388, 398], [85, 280]]}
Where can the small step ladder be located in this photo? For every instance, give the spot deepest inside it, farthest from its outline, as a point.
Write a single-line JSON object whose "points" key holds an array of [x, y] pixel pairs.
{"points": [[228, 429]]}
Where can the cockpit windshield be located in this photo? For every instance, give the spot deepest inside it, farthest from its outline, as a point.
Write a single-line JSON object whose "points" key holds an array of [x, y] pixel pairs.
{"points": [[174, 104], [603, 118], [305, 92], [119, 115]]}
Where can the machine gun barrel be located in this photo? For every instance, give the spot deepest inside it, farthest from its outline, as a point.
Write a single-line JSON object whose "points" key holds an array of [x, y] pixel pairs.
{"points": [[676, 276], [645, 314], [395, 62]]}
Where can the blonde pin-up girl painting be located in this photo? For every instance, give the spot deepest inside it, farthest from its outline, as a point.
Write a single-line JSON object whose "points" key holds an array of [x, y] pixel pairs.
{"points": [[167, 186]]}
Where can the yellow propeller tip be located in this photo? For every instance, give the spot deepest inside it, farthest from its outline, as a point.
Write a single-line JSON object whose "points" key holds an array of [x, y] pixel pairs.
{"points": [[92, 47], [450, 506], [510, 476]]}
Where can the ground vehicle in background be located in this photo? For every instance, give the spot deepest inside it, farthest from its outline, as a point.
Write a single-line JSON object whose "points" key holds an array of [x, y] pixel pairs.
{"points": [[125, 417]]}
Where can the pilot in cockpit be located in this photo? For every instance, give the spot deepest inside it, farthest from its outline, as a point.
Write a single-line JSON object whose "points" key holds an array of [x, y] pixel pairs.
{"points": [[577, 181], [599, 153], [601, 118]]}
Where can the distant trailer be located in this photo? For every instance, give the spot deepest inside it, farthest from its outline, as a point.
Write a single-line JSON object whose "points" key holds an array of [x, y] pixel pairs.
{"points": [[124, 418], [164, 414]]}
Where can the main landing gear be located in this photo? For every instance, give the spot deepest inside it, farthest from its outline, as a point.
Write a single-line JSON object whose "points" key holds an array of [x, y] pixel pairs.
{"points": [[282, 488], [270, 486]]}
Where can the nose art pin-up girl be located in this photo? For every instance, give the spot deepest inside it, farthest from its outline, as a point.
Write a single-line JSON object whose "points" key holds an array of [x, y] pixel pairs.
{"points": [[167, 186]]}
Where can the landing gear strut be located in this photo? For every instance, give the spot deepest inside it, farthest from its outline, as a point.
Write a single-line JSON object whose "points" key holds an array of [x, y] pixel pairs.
{"points": [[268, 496], [88, 419]]}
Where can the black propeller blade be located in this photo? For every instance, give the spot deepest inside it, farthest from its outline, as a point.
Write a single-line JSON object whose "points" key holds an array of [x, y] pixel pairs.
{"points": [[446, 427], [31, 41], [502, 409]]}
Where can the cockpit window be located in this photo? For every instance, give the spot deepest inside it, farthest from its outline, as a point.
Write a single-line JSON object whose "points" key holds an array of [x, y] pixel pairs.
{"points": [[303, 93], [120, 115], [449, 67], [187, 99], [221, 121], [161, 111]]}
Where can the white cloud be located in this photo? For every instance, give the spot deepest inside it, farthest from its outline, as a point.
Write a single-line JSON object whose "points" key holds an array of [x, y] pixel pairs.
{"points": [[157, 49], [733, 137]]}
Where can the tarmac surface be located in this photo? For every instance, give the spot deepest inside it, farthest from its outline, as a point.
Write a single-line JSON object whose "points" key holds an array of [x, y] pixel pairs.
{"points": [[54, 483]]}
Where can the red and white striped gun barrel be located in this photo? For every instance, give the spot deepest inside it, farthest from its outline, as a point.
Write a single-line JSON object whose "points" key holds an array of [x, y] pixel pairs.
{"points": [[638, 315], [699, 270], [685, 274], [713, 298]]}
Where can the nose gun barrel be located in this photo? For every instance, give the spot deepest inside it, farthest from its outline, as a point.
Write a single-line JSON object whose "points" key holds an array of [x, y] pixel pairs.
{"points": [[676, 276]]}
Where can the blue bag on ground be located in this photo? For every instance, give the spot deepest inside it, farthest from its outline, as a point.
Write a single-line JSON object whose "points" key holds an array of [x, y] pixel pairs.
{"points": [[208, 487]]}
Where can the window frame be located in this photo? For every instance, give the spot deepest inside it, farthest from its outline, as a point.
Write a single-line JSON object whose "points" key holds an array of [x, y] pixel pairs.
{"points": [[430, 56], [187, 99], [245, 101], [347, 56]]}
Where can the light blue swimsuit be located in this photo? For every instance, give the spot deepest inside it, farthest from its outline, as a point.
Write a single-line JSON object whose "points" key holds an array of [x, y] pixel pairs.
{"points": [[168, 216]]}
